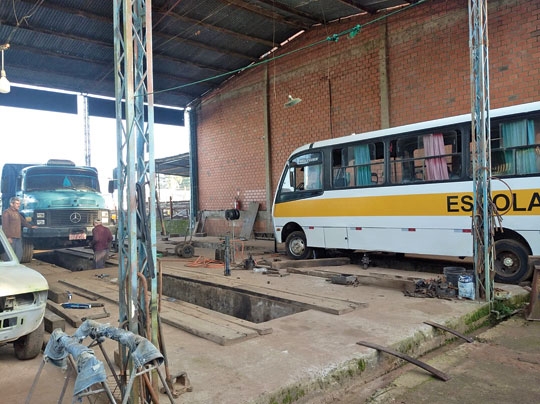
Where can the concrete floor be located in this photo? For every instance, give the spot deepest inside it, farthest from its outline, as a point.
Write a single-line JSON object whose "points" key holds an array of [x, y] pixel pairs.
{"points": [[304, 355]]}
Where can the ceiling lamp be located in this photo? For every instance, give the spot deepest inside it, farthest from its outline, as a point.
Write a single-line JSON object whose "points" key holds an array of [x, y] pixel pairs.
{"points": [[5, 87], [292, 101]]}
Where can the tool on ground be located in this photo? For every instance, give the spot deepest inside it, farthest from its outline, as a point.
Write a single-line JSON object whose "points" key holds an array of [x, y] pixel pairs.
{"points": [[70, 305]]}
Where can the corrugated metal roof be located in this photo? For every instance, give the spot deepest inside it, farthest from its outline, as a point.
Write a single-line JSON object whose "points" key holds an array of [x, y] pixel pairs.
{"points": [[68, 44]]}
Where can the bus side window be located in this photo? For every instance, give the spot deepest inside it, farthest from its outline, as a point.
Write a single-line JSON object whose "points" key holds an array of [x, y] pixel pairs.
{"points": [[365, 165], [340, 176], [518, 150]]}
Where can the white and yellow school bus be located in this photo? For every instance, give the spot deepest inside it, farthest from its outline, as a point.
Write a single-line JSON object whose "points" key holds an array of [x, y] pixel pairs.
{"points": [[409, 190]]}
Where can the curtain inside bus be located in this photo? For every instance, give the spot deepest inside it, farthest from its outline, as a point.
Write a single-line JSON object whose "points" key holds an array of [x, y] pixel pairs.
{"points": [[515, 134], [436, 168], [363, 162]]}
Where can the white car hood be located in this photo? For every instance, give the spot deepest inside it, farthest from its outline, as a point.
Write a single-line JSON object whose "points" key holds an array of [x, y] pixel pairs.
{"points": [[16, 278]]}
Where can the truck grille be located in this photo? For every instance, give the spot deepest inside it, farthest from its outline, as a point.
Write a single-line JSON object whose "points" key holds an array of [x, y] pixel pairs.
{"points": [[72, 217]]}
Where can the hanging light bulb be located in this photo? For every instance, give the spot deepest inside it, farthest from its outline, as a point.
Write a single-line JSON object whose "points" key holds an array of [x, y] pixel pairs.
{"points": [[5, 86]]}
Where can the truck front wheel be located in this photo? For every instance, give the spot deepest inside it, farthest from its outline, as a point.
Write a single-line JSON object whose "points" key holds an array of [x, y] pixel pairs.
{"points": [[28, 251], [29, 346]]}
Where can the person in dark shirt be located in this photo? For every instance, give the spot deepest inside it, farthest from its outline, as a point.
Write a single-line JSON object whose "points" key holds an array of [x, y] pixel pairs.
{"points": [[12, 223], [101, 243]]}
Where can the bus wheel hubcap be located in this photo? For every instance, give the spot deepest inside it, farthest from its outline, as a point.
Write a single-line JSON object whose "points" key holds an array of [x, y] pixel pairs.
{"points": [[508, 262]]}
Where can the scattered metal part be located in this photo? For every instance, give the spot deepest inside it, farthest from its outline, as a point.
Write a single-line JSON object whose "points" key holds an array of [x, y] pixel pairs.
{"points": [[180, 380], [442, 327], [249, 263], [437, 373], [432, 288], [365, 261], [105, 314], [343, 279]]}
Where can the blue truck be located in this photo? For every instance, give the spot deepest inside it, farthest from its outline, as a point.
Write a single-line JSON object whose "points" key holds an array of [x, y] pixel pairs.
{"points": [[58, 197]]}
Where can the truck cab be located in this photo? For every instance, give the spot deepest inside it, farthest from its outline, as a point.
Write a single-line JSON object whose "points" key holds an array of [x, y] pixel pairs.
{"points": [[61, 199]]}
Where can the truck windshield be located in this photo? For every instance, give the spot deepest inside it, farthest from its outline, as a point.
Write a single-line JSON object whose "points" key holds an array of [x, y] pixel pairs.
{"points": [[45, 180]]}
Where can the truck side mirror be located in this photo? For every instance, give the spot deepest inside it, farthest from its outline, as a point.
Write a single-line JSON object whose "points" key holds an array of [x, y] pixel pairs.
{"points": [[112, 186]]}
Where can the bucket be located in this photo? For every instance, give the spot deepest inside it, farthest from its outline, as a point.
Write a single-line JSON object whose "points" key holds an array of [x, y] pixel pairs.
{"points": [[466, 288], [452, 274]]}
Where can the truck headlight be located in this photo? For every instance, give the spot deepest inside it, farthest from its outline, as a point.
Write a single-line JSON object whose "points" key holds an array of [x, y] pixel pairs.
{"points": [[40, 222]]}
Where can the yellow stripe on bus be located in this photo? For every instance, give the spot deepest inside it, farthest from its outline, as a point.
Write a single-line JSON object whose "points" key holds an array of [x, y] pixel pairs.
{"points": [[522, 202]]}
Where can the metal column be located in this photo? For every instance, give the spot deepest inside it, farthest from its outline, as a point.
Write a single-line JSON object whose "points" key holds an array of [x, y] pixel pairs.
{"points": [[135, 167], [483, 220]]}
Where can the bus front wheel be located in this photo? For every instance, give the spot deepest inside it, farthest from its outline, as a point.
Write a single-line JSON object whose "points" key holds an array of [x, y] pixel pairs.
{"points": [[296, 246], [511, 262]]}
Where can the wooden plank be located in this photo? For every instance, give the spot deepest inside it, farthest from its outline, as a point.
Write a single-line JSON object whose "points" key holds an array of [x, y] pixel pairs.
{"points": [[249, 219], [72, 319], [53, 321], [58, 294], [208, 326], [215, 316], [204, 329], [98, 289], [319, 262], [74, 289], [320, 303], [305, 300]]}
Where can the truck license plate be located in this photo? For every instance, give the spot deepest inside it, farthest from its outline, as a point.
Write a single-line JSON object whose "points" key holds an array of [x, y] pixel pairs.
{"points": [[77, 236]]}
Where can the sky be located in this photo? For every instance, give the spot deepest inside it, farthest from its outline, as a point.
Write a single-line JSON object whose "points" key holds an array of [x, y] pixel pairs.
{"points": [[33, 136]]}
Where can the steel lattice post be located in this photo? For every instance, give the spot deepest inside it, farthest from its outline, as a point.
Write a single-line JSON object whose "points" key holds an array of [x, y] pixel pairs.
{"points": [[135, 166], [482, 225]]}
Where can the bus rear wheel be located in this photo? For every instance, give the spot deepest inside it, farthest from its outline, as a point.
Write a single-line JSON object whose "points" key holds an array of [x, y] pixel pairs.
{"points": [[511, 262], [296, 246]]}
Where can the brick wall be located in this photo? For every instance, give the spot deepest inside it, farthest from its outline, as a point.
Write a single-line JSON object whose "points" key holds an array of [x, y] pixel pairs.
{"points": [[426, 67]]}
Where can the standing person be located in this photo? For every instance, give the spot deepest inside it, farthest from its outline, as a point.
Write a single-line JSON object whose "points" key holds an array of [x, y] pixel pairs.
{"points": [[12, 223], [101, 243]]}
